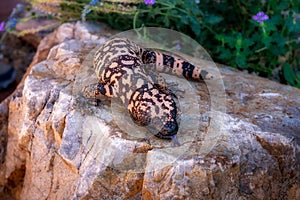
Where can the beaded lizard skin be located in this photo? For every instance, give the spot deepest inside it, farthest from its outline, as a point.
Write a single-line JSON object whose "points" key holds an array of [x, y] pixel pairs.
{"points": [[120, 66]]}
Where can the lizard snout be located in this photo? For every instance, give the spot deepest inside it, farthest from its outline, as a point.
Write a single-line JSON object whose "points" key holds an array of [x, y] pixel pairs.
{"points": [[168, 131]]}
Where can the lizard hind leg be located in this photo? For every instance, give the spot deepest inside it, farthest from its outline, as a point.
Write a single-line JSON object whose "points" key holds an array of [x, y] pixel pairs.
{"points": [[96, 90]]}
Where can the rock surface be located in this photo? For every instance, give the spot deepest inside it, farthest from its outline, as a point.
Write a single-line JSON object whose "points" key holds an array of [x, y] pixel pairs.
{"points": [[57, 145]]}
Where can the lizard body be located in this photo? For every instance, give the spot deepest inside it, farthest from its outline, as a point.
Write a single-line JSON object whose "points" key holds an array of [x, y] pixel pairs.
{"points": [[119, 65]]}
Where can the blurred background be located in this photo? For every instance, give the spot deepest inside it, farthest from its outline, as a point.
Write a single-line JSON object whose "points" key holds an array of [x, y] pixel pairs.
{"points": [[15, 54], [6, 6]]}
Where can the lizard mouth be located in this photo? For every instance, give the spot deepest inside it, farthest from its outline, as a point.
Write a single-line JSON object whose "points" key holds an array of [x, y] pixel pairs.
{"points": [[168, 131]]}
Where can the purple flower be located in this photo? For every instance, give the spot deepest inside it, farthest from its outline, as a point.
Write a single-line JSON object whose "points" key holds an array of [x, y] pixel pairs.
{"points": [[87, 9], [2, 26], [11, 24], [93, 2], [84, 13], [260, 17], [149, 2]]}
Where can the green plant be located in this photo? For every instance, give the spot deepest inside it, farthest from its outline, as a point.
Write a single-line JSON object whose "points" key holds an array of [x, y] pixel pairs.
{"points": [[236, 33]]}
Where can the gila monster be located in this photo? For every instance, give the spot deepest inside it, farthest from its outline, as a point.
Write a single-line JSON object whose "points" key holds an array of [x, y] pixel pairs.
{"points": [[120, 66]]}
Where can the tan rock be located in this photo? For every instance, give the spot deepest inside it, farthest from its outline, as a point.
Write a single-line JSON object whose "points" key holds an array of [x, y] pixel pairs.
{"points": [[59, 146]]}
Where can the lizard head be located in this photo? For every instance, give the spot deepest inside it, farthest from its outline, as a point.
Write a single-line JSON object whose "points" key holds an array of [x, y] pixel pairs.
{"points": [[157, 109]]}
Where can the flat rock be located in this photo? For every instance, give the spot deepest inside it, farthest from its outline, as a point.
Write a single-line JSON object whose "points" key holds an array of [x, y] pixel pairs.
{"points": [[57, 145]]}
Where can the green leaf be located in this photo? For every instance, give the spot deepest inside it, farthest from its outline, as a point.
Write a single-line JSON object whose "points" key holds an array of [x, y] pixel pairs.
{"points": [[269, 26], [174, 2], [241, 60], [267, 41], [279, 39], [293, 24], [278, 6], [298, 80], [225, 54], [193, 8], [195, 25], [155, 11], [276, 20], [187, 4], [166, 21], [276, 50], [174, 12], [184, 19], [239, 42], [256, 37], [247, 43], [213, 19], [289, 74], [231, 41]]}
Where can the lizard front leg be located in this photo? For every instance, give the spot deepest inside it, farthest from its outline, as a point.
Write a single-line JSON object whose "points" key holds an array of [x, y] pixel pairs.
{"points": [[96, 90]]}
